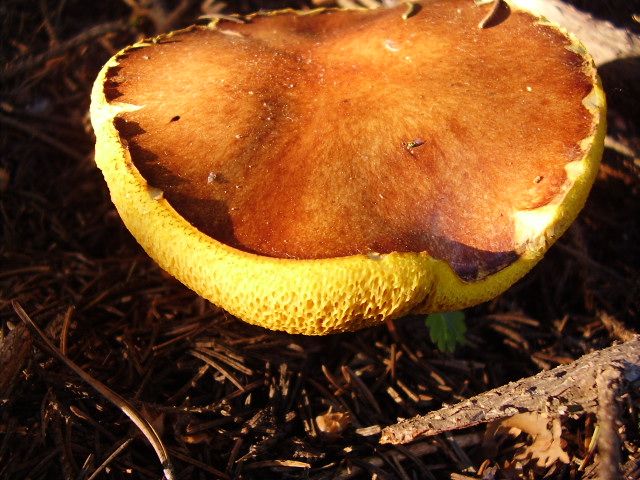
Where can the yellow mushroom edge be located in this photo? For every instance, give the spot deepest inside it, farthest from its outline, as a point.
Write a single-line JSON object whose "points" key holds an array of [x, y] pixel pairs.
{"points": [[318, 297]]}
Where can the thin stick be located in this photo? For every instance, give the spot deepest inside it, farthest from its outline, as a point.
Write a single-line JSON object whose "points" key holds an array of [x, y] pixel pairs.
{"points": [[217, 366], [65, 330], [145, 427], [12, 122], [604, 41], [581, 257], [172, 17], [110, 458], [608, 384], [416, 450], [616, 327], [32, 62], [200, 465], [556, 391]]}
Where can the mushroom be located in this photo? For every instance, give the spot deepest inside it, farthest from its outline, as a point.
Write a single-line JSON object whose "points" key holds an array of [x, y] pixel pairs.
{"points": [[323, 171]]}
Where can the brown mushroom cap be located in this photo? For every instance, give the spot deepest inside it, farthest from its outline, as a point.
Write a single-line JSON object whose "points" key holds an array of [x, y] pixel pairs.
{"points": [[322, 171], [338, 133]]}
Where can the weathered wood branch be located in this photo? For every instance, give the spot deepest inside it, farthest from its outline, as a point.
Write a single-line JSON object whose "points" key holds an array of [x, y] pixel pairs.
{"points": [[415, 451], [609, 386], [30, 63], [14, 353], [604, 41], [563, 390]]}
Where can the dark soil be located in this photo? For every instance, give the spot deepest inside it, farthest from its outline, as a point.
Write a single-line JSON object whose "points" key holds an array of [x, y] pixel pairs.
{"points": [[235, 401]]}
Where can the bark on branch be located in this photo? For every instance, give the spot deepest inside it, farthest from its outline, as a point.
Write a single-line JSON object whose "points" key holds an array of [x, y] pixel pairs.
{"points": [[604, 41], [562, 390]]}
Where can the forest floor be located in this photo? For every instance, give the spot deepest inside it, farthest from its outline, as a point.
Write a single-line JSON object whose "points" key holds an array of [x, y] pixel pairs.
{"points": [[230, 400]]}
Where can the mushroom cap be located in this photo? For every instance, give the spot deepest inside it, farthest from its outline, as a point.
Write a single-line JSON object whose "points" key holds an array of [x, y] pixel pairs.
{"points": [[323, 171]]}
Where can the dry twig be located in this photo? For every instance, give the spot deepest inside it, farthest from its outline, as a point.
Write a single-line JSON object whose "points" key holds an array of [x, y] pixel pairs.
{"points": [[604, 41], [145, 427], [560, 390], [32, 62], [608, 385], [417, 450], [43, 137], [14, 351]]}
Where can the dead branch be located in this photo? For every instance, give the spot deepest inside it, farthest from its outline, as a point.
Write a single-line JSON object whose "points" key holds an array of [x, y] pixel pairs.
{"points": [[14, 353], [417, 450], [161, 18], [604, 41], [32, 62], [43, 137], [608, 388], [616, 328], [562, 390], [143, 425]]}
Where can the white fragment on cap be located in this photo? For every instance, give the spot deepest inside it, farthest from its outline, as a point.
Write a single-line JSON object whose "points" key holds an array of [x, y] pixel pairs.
{"points": [[231, 33], [528, 226], [391, 45], [575, 170], [155, 193], [116, 108], [593, 101], [374, 256]]}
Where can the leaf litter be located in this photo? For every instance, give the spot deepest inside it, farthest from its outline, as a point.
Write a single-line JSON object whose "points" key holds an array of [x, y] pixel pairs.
{"points": [[226, 399]]}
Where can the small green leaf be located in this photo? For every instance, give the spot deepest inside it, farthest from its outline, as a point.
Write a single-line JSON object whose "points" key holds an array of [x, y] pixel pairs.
{"points": [[447, 330]]}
